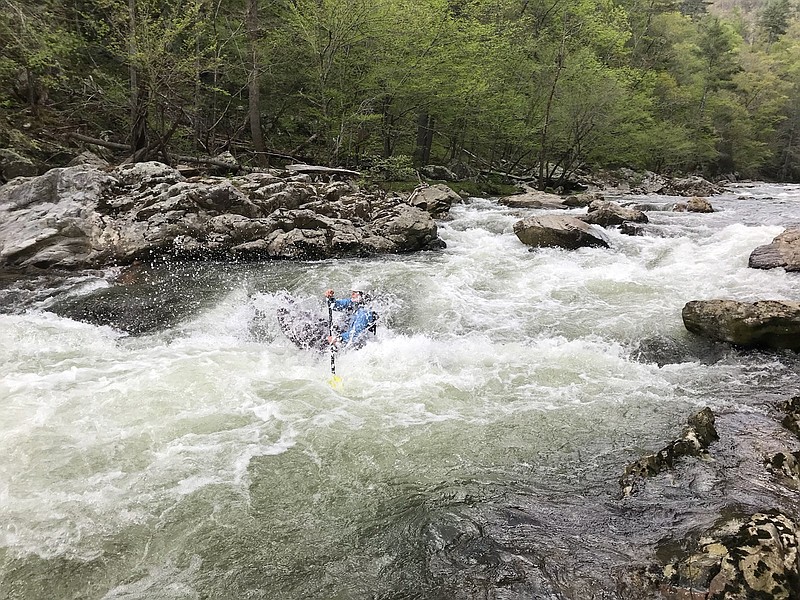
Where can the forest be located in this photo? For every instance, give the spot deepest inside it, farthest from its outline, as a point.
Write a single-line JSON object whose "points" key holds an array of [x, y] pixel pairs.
{"points": [[541, 89]]}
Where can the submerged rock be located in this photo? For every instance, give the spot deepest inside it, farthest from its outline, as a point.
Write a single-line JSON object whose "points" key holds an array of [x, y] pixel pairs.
{"points": [[765, 324], [784, 251], [559, 231]]}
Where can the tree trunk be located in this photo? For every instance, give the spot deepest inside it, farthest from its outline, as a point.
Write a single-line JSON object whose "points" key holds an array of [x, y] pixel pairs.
{"points": [[422, 152], [543, 157], [138, 91], [254, 103]]}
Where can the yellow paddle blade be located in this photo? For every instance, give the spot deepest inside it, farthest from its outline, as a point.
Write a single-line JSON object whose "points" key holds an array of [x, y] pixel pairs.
{"points": [[336, 382]]}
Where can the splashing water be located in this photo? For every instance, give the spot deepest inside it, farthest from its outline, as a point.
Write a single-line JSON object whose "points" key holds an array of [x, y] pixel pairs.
{"points": [[487, 424]]}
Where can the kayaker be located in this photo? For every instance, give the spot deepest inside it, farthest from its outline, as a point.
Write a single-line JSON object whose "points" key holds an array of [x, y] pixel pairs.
{"points": [[360, 320]]}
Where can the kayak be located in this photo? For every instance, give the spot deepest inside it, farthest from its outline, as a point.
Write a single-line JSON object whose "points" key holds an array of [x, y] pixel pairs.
{"points": [[306, 329]]}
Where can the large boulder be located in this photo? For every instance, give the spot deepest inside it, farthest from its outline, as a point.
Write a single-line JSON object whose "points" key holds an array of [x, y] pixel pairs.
{"points": [[605, 214], [765, 324], [82, 216], [784, 251], [559, 231], [435, 199], [696, 204], [534, 199], [691, 186], [438, 173]]}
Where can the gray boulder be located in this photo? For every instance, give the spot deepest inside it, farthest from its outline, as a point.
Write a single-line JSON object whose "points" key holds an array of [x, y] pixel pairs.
{"points": [[560, 231], [435, 199], [696, 204], [691, 186], [438, 173], [13, 164], [765, 324], [534, 199], [82, 216], [607, 214], [784, 251]]}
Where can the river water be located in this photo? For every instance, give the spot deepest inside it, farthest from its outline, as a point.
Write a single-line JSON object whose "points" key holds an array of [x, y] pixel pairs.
{"points": [[473, 451]]}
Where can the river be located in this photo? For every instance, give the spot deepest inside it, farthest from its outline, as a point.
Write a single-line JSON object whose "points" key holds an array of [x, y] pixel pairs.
{"points": [[473, 451]]}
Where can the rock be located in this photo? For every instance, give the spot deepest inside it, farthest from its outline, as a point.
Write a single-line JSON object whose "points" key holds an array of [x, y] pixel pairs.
{"points": [[435, 199], [438, 173], [463, 170], [792, 419], [698, 205], [605, 213], [83, 217], [13, 164], [765, 324], [227, 163], [559, 231], [694, 441], [754, 559], [583, 200], [691, 186], [631, 229], [89, 158], [786, 464], [784, 251], [319, 170], [533, 199]]}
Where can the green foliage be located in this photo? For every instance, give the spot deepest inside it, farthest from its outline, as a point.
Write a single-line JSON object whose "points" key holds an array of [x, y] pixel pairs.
{"points": [[539, 89], [395, 168]]}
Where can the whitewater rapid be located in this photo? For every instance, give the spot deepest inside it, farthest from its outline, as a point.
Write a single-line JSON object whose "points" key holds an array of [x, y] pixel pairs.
{"points": [[210, 458]]}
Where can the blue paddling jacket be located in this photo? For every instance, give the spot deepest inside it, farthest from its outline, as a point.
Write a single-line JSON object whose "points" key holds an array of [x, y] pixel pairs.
{"points": [[359, 321]]}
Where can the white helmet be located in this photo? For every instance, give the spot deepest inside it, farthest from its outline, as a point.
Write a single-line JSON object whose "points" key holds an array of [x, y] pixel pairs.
{"points": [[359, 286]]}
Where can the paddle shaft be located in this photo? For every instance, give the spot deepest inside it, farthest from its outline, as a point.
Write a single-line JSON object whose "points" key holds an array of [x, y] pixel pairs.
{"points": [[330, 333]]}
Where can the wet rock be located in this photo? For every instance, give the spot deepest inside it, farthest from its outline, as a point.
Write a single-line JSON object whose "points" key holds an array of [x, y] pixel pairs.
{"points": [[83, 216], [765, 324], [691, 186], [786, 464], [664, 350], [631, 229], [792, 419], [557, 231], [698, 205], [606, 213], [583, 200], [784, 251], [135, 306], [738, 561], [694, 441], [533, 199]]}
